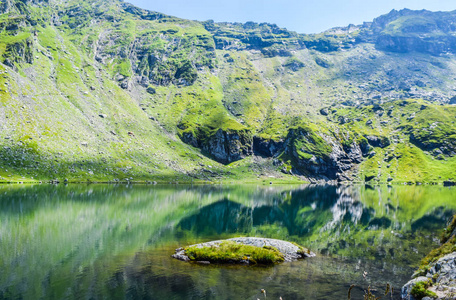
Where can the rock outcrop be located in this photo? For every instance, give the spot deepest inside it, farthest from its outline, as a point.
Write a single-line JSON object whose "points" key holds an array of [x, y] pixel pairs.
{"points": [[264, 37], [21, 51], [224, 146], [403, 44], [441, 277], [311, 154], [420, 31], [321, 155], [227, 147], [406, 291], [267, 147], [378, 141]]}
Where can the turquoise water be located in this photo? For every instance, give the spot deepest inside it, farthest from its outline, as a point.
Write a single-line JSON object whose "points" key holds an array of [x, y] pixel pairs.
{"points": [[115, 242]]}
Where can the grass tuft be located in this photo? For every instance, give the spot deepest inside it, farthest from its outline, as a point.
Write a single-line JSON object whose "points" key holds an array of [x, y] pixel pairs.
{"points": [[232, 252]]}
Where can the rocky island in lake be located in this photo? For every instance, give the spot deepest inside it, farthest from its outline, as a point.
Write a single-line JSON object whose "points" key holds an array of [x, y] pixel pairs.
{"points": [[243, 250]]}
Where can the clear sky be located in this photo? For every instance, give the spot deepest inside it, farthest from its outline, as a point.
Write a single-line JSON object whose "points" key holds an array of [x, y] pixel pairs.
{"points": [[303, 16]]}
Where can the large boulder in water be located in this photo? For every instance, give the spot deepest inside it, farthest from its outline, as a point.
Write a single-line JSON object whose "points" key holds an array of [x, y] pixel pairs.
{"points": [[290, 251]]}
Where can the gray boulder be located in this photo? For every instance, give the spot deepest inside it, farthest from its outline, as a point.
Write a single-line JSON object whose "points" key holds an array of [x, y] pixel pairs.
{"points": [[291, 252]]}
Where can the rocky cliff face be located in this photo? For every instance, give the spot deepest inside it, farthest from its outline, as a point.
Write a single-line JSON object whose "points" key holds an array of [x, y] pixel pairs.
{"points": [[267, 147], [321, 155], [18, 6], [227, 147], [421, 31], [264, 37], [224, 146], [19, 52], [405, 44]]}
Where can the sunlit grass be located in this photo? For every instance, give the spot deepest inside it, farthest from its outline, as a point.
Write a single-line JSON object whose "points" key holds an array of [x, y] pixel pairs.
{"points": [[232, 252]]}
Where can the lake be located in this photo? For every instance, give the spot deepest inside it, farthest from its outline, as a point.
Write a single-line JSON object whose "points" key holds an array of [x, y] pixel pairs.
{"points": [[116, 241]]}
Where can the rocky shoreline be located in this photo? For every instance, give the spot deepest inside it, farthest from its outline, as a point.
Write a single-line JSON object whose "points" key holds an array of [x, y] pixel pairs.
{"points": [[290, 251], [436, 278], [439, 281]]}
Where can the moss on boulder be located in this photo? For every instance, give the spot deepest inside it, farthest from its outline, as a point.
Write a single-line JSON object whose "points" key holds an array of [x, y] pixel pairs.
{"points": [[246, 250]]}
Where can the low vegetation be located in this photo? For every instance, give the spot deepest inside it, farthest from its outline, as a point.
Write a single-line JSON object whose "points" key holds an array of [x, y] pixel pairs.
{"points": [[420, 290], [232, 252], [369, 295]]}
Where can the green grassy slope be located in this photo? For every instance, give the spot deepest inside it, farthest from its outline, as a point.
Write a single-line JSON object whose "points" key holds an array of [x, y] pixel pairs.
{"points": [[414, 131], [104, 91]]}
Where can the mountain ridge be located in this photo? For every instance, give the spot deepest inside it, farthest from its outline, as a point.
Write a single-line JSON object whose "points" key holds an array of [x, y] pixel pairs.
{"points": [[105, 91]]}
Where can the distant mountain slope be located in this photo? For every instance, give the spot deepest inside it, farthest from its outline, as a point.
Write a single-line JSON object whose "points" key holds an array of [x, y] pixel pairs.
{"points": [[103, 90]]}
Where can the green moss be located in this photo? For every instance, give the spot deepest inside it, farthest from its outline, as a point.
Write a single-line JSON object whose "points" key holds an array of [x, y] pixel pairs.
{"points": [[232, 252], [302, 250], [308, 142], [420, 290]]}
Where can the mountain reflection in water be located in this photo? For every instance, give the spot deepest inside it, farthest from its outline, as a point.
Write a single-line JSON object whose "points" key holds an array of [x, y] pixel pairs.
{"points": [[115, 242]]}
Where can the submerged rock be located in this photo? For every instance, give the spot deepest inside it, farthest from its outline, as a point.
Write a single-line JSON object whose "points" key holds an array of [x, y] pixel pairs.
{"points": [[290, 251]]}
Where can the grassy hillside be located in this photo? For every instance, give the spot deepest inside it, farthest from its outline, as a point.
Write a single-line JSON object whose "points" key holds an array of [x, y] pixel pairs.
{"points": [[104, 91]]}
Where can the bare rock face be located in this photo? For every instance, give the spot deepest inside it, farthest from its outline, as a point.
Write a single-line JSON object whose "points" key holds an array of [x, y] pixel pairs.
{"points": [[313, 155], [267, 148], [227, 147], [402, 44], [415, 31], [321, 156]]}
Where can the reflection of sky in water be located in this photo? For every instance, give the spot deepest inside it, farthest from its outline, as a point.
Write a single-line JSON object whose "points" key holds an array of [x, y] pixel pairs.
{"points": [[104, 241]]}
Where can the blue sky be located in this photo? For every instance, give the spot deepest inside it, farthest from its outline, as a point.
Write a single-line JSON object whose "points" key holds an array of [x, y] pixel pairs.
{"points": [[303, 16]]}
